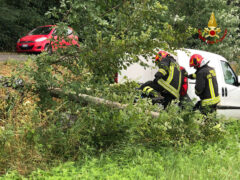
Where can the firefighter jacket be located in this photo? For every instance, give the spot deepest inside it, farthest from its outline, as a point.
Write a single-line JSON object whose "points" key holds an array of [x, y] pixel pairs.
{"points": [[206, 86], [169, 76]]}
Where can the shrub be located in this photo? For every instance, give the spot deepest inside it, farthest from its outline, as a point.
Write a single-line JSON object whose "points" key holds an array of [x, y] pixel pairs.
{"points": [[32, 137]]}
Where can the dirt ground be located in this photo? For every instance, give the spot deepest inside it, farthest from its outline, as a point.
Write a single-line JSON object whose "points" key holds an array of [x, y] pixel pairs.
{"points": [[5, 69]]}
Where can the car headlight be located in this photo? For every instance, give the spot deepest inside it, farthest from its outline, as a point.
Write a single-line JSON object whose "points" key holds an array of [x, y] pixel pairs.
{"points": [[40, 39]]}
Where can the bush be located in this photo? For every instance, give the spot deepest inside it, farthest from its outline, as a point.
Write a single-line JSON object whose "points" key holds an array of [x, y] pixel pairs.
{"points": [[31, 137]]}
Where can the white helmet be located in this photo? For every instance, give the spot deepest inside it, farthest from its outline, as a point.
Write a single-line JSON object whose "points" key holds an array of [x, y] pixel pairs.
{"points": [[204, 62]]}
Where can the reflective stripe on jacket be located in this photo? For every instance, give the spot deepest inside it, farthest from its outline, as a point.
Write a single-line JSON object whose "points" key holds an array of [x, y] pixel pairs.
{"points": [[169, 76], [150, 91], [206, 86]]}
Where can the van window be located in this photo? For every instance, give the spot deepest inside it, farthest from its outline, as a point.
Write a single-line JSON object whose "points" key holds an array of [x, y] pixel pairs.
{"points": [[229, 75]]}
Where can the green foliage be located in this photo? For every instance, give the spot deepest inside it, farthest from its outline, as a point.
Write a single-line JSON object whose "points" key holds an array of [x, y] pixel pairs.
{"points": [[33, 137], [197, 14], [198, 161], [112, 34]]}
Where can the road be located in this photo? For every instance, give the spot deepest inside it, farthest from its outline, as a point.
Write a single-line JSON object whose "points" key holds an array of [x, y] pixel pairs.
{"points": [[13, 56]]}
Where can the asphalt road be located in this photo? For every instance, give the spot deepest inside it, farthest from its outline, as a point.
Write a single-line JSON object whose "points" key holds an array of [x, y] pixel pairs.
{"points": [[13, 56]]}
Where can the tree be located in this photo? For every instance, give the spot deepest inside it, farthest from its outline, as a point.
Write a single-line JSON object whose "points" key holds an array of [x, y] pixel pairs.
{"points": [[197, 14], [17, 17], [112, 34]]}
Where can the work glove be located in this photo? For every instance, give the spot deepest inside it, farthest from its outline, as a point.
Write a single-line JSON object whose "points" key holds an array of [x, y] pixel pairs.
{"points": [[192, 76]]}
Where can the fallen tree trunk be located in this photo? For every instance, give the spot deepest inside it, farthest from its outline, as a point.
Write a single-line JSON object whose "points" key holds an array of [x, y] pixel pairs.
{"points": [[96, 100]]}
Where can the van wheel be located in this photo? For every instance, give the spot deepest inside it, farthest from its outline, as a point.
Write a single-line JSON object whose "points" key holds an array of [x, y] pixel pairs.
{"points": [[48, 49]]}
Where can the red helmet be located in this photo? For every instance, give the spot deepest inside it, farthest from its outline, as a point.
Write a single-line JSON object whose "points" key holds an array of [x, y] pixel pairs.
{"points": [[195, 60], [161, 55]]}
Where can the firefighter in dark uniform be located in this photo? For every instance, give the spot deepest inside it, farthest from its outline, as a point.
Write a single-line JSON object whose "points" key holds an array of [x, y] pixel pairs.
{"points": [[206, 84], [167, 82]]}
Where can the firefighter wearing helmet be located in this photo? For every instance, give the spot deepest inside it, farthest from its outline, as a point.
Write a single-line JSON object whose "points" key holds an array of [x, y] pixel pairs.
{"points": [[167, 82], [206, 84], [160, 55]]}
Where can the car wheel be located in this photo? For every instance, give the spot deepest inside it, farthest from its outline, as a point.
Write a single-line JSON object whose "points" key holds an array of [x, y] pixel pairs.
{"points": [[48, 49]]}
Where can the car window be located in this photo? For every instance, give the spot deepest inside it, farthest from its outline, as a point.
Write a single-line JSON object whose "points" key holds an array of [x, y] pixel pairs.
{"points": [[229, 75], [54, 32], [41, 31], [69, 32]]}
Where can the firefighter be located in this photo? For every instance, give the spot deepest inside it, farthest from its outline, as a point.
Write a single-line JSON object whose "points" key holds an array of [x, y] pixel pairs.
{"points": [[167, 82], [206, 84]]}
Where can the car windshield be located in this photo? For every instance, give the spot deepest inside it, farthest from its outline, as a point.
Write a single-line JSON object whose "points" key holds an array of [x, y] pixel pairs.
{"points": [[40, 31], [229, 75]]}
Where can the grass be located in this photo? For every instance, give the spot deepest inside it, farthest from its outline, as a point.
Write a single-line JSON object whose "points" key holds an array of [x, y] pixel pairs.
{"points": [[199, 161], [217, 161]]}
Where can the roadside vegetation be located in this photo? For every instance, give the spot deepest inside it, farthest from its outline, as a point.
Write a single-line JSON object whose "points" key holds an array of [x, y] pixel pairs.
{"points": [[196, 161], [70, 139], [45, 134]]}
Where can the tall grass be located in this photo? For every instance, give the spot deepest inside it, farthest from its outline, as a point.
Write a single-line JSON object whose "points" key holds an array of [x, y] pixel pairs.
{"points": [[199, 161]]}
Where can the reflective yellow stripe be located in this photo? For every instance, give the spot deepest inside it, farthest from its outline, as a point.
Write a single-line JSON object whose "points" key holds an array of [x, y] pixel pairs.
{"points": [[148, 90], [209, 76], [211, 101], [213, 73], [145, 89], [166, 84], [171, 72], [162, 71], [169, 88], [194, 76], [211, 88]]}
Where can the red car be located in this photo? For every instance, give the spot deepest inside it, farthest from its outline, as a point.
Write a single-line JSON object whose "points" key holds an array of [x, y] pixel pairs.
{"points": [[38, 40]]}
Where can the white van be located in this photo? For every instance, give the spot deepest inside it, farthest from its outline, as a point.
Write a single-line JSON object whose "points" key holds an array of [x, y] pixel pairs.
{"points": [[229, 85]]}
